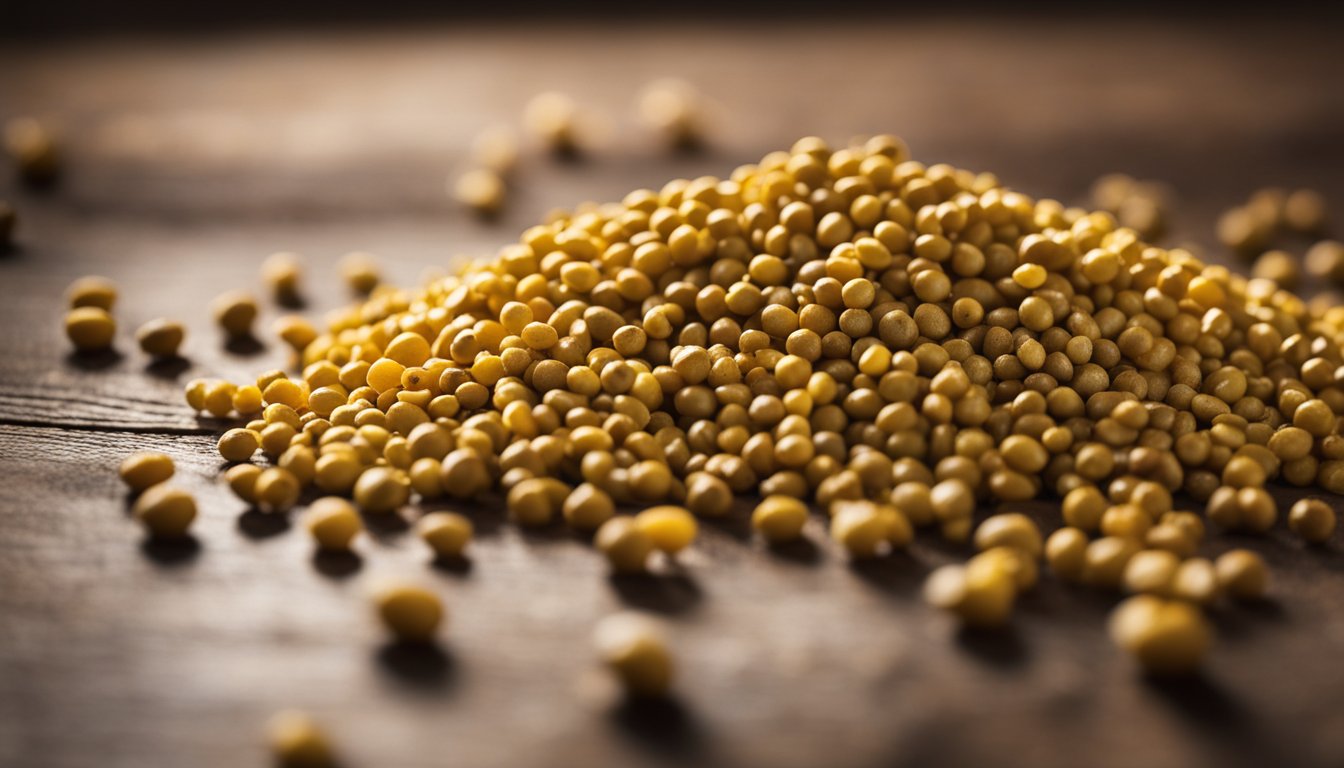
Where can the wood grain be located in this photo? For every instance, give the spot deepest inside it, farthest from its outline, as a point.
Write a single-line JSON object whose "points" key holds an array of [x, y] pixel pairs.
{"points": [[191, 159]]}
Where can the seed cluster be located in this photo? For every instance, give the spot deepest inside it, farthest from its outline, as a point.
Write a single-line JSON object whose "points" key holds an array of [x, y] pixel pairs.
{"points": [[899, 344]]}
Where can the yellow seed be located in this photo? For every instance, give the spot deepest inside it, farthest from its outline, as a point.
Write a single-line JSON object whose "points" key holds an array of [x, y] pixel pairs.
{"points": [[90, 329], [551, 118], [380, 490], [1009, 530], [634, 649], [296, 741], [625, 544], [671, 528], [360, 272], [276, 490], [1165, 636], [165, 511], [779, 518], [142, 470], [34, 149], [411, 613], [587, 507], [1242, 574], [480, 189], [242, 480], [447, 533], [1313, 520], [1030, 276], [160, 338], [333, 523], [283, 272], [234, 313], [859, 527], [92, 291], [238, 445]]}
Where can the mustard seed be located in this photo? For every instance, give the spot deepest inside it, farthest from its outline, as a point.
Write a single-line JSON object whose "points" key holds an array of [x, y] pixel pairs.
{"points": [[634, 649], [333, 523], [411, 613], [165, 511], [145, 469], [447, 533]]}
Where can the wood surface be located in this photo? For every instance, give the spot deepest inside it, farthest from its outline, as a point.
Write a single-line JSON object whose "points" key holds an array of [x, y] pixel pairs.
{"points": [[191, 158]]}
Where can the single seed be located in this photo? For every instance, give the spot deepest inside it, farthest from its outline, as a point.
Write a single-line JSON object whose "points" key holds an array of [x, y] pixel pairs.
{"points": [[481, 190], [634, 649], [1313, 520], [779, 519], [671, 528], [90, 329], [238, 445], [92, 291], [145, 469], [447, 533], [296, 741], [1167, 637], [160, 338], [381, 490], [165, 511], [235, 312], [625, 544], [1242, 574], [411, 613], [333, 523]]}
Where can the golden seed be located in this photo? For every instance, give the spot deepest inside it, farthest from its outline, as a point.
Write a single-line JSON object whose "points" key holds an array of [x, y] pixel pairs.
{"points": [[333, 523], [411, 613], [142, 470], [165, 511]]}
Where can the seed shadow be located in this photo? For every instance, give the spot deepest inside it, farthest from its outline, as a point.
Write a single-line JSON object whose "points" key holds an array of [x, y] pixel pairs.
{"points": [[1244, 617], [802, 551], [661, 724], [1202, 702], [255, 524], [1000, 647], [245, 346], [668, 594], [735, 524], [337, 565], [291, 300], [171, 553], [387, 526], [168, 367], [899, 574], [460, 565], [100, 360], [425, 667]]}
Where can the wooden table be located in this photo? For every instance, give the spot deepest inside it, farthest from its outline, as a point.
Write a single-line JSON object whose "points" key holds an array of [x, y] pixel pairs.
{"points": [[191, 159]]}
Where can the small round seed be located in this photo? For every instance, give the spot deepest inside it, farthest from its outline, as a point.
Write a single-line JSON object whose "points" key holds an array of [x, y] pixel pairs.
{"points": [[447, 533], [1242, 574], [634, 649], [671, 528], [165, 511], [333, 523], [625, 544], [90, 329], [296, 741], [779, 519], [142, 470], [411, 613]]}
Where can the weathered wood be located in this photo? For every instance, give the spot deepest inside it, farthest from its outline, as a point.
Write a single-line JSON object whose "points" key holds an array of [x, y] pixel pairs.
{"points": [[191, 160]]}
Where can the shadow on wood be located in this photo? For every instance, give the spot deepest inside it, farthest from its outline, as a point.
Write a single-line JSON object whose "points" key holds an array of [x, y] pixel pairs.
{"points": [[168, 368], [1000, 647], [94, 361], [171, 552], [337, 565], [668, 594], [660, 724], [459, 566], [255, 524], [422, 666]]}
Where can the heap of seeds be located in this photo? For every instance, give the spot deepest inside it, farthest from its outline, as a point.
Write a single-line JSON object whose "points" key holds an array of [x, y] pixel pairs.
{"points": [[899, 343]]}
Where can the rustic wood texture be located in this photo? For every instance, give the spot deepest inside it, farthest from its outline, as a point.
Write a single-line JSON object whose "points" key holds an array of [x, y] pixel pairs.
{"points": [[191, 159]]}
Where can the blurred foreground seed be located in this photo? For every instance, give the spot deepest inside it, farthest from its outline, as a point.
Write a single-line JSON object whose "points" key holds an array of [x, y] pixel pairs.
{"points": [[481, 190], [551, 118], [673, 109], [34, 150]]}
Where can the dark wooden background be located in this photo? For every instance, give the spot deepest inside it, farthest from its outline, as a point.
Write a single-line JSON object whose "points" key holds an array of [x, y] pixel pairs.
{"points": [[192, 157]]}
